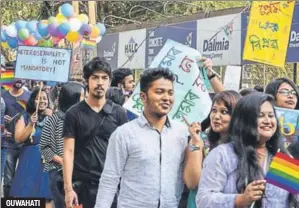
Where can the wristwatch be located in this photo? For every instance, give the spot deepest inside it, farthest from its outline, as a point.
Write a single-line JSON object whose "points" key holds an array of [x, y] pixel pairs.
{"points": [[193, 147], [211, 76]]}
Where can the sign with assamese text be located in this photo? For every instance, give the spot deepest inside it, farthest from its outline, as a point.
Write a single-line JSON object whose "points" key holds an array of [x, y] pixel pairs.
{"points": [[268, 32]]}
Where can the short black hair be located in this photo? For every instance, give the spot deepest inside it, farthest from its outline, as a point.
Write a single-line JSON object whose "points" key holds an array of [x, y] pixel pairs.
{"points": [[119, 75], [247, 91], [96, 64], [69, 95], [259, 88], [153, 74], [116, 95], [273, 86]]}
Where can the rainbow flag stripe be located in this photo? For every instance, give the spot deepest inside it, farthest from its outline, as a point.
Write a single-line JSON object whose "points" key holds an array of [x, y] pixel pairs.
{"points": [[284, 173], [22, 103], [88, 44], [7, 87], [7, 77]]}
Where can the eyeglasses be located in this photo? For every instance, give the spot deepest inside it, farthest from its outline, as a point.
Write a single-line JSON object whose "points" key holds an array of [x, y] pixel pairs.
{"points": [[286, 92]]}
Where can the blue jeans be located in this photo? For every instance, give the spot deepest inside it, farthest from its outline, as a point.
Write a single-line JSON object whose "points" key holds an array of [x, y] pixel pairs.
{"points": [[12, 157], [56, 186], [3, 160]]}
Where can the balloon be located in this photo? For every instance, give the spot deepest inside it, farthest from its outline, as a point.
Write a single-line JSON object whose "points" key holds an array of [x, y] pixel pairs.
{"points": [[67, 10], [3, 36], [42, 28], [75, 24], [31, 26], [85, 30], [37, 36], [23, 34], [4, 45], [60, 18], [73, 36], [102, 28], [46, 22], [64, 28], [20, 24], [52, 29], [12, 42], [31, 41], [11, 31], [83, 18], [45, 43], [53, 20], [95, 32]]}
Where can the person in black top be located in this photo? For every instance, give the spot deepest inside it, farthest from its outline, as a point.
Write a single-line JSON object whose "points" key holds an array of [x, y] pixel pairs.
{"points": [[87, 128]]}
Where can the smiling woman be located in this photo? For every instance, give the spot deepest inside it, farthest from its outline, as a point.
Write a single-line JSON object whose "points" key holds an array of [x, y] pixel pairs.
{"points": [[285, 93]]}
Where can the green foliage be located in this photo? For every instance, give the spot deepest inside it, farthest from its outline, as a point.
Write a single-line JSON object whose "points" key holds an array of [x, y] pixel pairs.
{"points": [[12, 11]]}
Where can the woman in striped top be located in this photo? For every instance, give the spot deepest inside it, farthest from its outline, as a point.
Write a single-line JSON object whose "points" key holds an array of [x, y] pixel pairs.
{"points": [[51, 144]]}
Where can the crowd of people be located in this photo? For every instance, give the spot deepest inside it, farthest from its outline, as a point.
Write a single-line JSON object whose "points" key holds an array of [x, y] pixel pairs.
{"points": [[74, 143]]}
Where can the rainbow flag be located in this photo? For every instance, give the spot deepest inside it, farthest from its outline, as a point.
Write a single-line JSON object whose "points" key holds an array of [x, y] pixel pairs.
{"points": [[284, 173], [88, 44], [6, 87], [7, 77], [22, 103]]}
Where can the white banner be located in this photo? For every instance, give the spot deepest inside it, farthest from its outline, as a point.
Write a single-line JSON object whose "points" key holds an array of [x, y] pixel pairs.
{"points": [[225, 47], [131, 49], [192, 99], [232, 78]]}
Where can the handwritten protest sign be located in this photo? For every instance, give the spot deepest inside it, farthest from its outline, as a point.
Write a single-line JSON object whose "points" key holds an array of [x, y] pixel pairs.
{"points": [[191, 96], [45, 64], [289, 124], [232, 78], [268, 32]]}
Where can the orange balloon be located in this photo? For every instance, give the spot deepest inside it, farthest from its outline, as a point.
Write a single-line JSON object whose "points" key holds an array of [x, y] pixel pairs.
{"points": [[30, 41], [73, 37], [95, 32]]}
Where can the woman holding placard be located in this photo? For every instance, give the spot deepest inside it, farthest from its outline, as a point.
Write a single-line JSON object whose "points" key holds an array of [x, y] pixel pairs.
{"points": [[30, 180], [233, 173], [218, 123], [286, 95]]}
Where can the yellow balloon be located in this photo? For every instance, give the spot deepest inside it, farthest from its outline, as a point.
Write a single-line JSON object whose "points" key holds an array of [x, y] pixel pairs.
{"points": [[73, 37], [4, 45], [83, 18], [95, 32], [61, 18]]}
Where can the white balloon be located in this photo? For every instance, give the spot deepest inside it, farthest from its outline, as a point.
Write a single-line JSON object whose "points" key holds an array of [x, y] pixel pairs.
{"points": [[75, 24], [98, 39], [11, 31]]}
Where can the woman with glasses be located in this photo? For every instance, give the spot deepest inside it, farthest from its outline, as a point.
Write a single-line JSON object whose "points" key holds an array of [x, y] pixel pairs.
{"points": [[286, 95]]}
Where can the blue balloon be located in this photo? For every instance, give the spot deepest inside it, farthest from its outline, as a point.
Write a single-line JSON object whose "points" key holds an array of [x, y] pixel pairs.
{"points": [[64, 28], [12, 42], [20, 24], [42, 29], [102, 28], [3, 36], [37, 36], [67, 10], [31, 26]]}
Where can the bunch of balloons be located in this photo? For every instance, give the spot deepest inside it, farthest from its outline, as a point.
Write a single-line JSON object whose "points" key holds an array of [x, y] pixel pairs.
{"points": [[65, 25]]}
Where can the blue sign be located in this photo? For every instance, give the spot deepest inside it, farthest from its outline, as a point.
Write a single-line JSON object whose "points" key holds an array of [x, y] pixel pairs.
{"points": [[184, 33], [293, 49], [108, 49], [43, 64]]}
